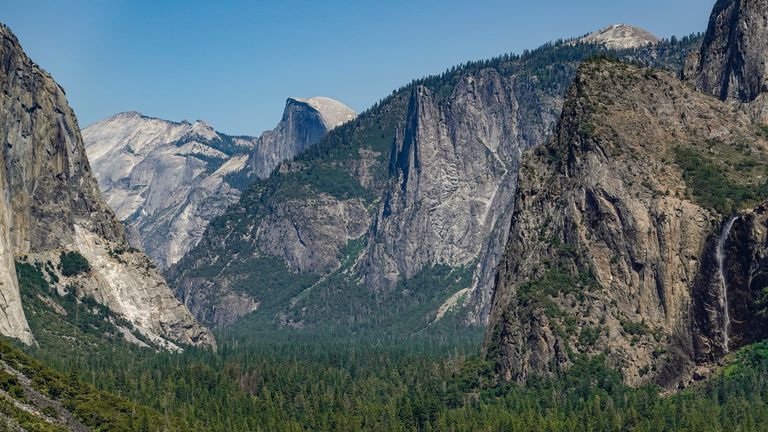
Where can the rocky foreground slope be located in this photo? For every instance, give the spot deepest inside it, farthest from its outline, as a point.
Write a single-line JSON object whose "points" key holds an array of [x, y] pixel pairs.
{"points": [[167, 180], [52, 208], [403, 211], [638, 231]]}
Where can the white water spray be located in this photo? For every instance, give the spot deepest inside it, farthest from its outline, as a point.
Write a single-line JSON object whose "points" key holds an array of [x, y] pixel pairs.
{"points": [[719, 255]]}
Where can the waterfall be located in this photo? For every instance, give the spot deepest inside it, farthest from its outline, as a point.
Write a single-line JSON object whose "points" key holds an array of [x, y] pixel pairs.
{"points": [[719, 255]]}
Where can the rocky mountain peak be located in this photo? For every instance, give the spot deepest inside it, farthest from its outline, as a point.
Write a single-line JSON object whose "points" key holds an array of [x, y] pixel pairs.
{"points": [[612, 233], [621, 36], [155, 172], [203, 130], [304, 123], [333, 112], [137, 135], [168, 179]]}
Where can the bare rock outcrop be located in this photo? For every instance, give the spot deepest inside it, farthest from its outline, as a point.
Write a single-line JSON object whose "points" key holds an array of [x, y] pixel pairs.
{"points": [[305, 122], [621, 36], [454, 171], [165, 180], [426, 181], [732, 63]]}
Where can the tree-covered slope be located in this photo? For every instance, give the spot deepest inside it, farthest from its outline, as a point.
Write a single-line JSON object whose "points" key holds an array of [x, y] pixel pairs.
{"points": [[36, 398]]}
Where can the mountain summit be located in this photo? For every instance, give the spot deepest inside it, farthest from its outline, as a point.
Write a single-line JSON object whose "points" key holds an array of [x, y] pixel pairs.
{"points": [[333, 112], [621, 36], [305, 122]]}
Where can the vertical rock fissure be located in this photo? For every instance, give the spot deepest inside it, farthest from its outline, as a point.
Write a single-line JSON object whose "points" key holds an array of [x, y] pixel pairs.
{"points": [[720, 257]]}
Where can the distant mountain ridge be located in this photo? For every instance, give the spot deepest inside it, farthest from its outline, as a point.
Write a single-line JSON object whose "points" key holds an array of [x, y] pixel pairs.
{"points": [[167, 180], [402, 212]]}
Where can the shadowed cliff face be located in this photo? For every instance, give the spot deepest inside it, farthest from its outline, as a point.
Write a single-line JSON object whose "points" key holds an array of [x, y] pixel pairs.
{"points": [[732, 63], [52, 204], [305, 122], [733, 56], [612, 248], [746, 274], [739, 288]]}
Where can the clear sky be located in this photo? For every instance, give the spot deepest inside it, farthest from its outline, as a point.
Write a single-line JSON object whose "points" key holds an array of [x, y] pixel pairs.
{"points": [[233, 63]]}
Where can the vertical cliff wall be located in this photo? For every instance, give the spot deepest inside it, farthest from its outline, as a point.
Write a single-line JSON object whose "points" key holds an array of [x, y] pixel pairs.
{"points": [[51, 204]]}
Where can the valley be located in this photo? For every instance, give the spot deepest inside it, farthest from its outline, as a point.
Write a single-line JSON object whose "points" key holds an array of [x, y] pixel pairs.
{"points": [[572, 238]]}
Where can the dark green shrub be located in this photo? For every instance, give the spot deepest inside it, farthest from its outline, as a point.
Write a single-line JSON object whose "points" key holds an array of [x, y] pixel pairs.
{"points": [[72, 263]]}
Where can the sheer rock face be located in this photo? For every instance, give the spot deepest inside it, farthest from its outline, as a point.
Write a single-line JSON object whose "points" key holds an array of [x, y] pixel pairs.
{"points": [[51, 203], [305, 122], [746, 270], [454, 171], [447, 200], [311, 234], [606, 253], [168, 180], [733, 56]]}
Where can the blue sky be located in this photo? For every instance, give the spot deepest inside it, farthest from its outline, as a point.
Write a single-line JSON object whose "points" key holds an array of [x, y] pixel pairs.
{"points": [[233, 63]]}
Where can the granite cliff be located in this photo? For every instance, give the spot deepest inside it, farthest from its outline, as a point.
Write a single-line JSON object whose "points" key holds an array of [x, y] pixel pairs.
{"points": [[52, 207], [613, 240], [638, 230], [621, 36]]}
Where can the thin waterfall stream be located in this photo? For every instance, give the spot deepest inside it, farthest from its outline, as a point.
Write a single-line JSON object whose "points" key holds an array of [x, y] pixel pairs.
{"points": [[720, 256]]}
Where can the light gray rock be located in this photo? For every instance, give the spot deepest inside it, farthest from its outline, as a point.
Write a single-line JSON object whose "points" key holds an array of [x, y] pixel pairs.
{"points": [[621, 36], [311, 241], [454, 172], [434, 165], [305, 122], [168, 180]]}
